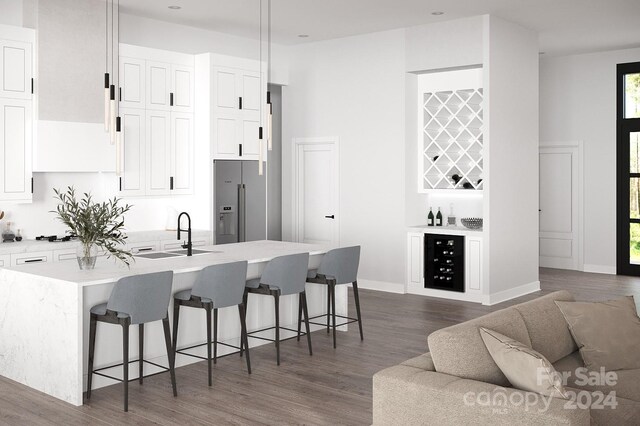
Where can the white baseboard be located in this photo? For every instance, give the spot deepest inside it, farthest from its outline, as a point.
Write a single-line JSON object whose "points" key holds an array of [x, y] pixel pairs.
{"points": [[512, 293], [450, 295], [381, 286], [599, 269]]}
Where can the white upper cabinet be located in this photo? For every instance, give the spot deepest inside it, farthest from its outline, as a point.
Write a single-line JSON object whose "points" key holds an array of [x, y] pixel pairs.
{"points": [[158, 86], [181, 96], [158, 152], [181, 179], [236, 110], [16, 72], [132, 83], [132, 181], [15, 149]]}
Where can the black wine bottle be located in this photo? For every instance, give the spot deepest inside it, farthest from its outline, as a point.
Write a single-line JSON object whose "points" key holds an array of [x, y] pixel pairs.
{"points": [[467, 185], [430, 218], [439, 218], [455, 178]]}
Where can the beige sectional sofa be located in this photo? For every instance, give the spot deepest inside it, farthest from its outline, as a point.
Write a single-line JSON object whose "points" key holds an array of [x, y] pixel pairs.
{"points": [[458, 382]]}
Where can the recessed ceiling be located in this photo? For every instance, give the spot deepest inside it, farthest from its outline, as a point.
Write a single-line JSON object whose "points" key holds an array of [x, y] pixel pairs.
{"points": [[565, 26]]}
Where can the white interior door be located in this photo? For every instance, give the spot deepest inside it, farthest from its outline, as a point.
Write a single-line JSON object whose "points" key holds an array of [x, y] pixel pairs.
{"points": [[559, 208], [316, 184]]}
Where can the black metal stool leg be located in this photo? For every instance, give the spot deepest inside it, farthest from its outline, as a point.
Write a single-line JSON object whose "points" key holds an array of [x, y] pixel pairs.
{"points": [[215, 336], [332, 285], [243, 334], [299, 314], [208, 309], [141, 352], [328, 306], [306, 320], [125, 362], [245, 299], [170, 354], [276, 296], [92, 348], [176, 317], [357, 300]]}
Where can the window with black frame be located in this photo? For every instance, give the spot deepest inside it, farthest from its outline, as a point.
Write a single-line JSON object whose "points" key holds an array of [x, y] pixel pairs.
{"points": [[628, 169]]}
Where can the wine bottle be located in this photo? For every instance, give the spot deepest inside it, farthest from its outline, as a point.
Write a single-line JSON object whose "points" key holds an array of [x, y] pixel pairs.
{"points": [[439, 218], [455, 178], [467, 185], [430, 217]]}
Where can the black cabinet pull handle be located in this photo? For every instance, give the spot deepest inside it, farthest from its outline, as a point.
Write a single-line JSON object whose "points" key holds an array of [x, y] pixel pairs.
{"points": [[240, 150], [145, 249], [330, 217], [240, 102], [120, 182], [33, 260], [120, 94], [171, 99], [32, 84], [171, 183], [32, 185]]}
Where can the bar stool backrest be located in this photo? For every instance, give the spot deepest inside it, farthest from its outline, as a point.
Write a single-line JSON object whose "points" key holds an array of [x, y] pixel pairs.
{"points": [[224, 283], [288, 273], [341, 264], [145, 298]]}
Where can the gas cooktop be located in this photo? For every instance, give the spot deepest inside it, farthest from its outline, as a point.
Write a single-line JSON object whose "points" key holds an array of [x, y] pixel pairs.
{"points": [[55, 239]]}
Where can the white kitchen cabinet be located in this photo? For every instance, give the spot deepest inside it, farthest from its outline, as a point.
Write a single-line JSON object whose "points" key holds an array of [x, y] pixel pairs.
{"points": [[473, 267], [16, 141], [30, 258], [415, 258], [181, 97], [158, 81], [158, 152], [181, 153], [236, 110], [5, 260], [16, 70], [143, 247], [133, 178], [132, 83]]}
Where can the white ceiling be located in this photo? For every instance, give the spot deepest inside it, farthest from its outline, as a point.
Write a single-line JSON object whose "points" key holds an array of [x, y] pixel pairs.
{"points": [[565, 26]]}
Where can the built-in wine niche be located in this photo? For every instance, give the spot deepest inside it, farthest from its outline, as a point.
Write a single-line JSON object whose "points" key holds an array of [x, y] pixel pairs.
{"points": [[450, 130], [444, 262]]}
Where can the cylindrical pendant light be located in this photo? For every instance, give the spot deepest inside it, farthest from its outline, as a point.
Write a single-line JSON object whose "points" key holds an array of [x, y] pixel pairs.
{"points": [[260, 128], [112, 102], [106, 67], [270, 112], [118, 146]]}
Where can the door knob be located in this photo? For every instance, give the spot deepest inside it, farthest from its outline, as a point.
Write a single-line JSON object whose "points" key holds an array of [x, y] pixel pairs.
{"points": [[330, 217]]}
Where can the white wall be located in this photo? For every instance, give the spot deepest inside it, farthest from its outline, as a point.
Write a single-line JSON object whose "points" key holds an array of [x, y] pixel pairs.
{"points": [[511, 166], [353, 88], [11, 12], [578, 103]]}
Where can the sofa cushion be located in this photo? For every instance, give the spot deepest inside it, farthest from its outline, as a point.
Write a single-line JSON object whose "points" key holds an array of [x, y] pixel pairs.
{"points": [[526, 368], [548, 330], [459, 350], [423, 362], [608, 333]]}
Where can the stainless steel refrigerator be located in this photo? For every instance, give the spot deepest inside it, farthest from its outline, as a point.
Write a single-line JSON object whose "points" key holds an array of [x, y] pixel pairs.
{"points": [[240, 202]]}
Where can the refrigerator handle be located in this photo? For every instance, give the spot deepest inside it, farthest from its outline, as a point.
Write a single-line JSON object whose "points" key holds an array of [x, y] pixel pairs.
{"points": [[242, 216]]}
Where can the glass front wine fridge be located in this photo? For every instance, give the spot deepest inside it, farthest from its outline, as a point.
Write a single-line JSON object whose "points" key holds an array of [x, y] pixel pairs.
{"points": [[444, 262]]}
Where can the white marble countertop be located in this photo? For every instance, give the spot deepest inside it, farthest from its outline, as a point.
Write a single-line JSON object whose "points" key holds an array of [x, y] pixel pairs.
{"points": [[27, 246], [108, 271], [447, 230]]}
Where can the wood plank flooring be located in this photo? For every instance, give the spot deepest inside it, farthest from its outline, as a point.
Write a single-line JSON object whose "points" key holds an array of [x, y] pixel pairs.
{"points": [[331, 387]]}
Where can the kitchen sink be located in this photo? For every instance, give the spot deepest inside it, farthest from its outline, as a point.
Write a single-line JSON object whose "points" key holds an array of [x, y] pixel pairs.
{"points": [[183, 252], [173, 253], [156, 255]]}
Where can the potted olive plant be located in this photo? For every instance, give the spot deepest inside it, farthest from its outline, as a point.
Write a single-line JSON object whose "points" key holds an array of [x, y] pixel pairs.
{"points": [[97, 226]]}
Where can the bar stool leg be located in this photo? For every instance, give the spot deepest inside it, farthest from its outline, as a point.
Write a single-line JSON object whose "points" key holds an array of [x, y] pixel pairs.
{"points": [[215, 335], [245, 299], [306, 320], [208, 309], [243, 334], [328, 306], [357, 300], [176, 317], [299, 314], [92, 348], [170, 353], [125, 362], [332, 285], [276, 296], [141, 352]]}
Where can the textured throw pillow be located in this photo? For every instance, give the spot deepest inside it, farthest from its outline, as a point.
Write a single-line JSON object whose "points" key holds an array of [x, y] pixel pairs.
{"points": [[525, 368], [607, 333]]}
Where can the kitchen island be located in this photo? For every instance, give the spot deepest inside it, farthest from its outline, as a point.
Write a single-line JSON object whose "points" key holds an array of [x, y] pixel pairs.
{"points": [[44, 315]]}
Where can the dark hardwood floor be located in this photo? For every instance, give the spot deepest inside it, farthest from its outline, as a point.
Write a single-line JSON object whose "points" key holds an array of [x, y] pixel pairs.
{"points": [[331, 387]]}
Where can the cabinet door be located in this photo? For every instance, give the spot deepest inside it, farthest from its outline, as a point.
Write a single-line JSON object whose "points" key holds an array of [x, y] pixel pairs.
{"points": [[181, 181], [132, 83], [31, 258], [158, 86], [5, 260], [182, 88], [15, 149], [132, 181], [473, 246], [226, 134], [158, 152], [15, 69], [415, 259], [250, 90], [250, 136], [226, 90]]}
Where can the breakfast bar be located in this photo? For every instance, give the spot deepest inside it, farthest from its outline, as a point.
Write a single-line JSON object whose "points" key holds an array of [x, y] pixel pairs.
{"points": [[44, 314]]}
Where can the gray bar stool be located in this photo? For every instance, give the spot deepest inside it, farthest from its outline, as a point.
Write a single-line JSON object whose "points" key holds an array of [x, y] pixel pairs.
{"points": [[282, 276], [338, 266], [137, 299], [217, 286]]}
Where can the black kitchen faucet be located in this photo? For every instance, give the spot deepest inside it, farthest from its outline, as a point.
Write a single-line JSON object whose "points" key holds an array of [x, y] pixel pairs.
{"points": [[188, 244]]}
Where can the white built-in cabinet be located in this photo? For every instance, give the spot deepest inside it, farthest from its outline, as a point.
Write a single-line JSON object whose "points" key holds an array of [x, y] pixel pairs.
{"points": [[472, 271], [238, 100], [16, 113], [157, 109]]}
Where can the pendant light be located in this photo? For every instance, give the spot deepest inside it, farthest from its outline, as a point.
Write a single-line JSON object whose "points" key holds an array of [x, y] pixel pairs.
{"points": [[112, 87], [260, 131], [270, 105], [118, 128], [107, 93]]}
